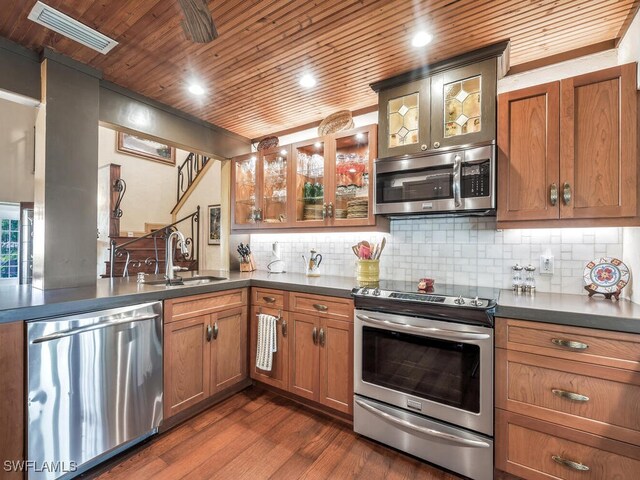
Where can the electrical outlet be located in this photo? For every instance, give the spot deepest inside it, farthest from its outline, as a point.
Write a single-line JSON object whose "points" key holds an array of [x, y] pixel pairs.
{"points": [[546, 264]]}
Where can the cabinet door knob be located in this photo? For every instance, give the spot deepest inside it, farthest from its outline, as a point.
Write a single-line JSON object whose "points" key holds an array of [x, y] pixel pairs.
{"points": [[322, 337], [570, 464], [324, 211], [209, 333], [566, 193], [423, 147], [553, 194], [330, 210], [314, 335], [435, 145]]}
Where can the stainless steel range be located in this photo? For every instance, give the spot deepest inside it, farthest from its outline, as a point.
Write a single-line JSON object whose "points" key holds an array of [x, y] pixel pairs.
{"points": [[423, 373]]}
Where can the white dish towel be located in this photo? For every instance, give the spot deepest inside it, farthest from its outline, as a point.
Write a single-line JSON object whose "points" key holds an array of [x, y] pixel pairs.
{"points": [[267, 341]]}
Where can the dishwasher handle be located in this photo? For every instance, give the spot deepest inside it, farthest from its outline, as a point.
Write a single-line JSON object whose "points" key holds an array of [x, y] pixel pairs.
{"points": [[95, 326]]}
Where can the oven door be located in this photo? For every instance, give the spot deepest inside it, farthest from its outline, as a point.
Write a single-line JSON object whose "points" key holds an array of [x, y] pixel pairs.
{"points": [[440, 369]]}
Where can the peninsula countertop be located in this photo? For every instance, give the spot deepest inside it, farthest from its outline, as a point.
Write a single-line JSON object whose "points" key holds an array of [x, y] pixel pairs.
{"points": [[20, 303]]}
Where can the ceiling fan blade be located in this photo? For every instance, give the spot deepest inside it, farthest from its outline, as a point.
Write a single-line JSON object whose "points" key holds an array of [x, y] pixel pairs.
{"points": [[198, 24]]}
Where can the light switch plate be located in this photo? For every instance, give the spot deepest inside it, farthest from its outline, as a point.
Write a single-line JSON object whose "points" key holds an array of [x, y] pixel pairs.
{"points": [[546, 265]]}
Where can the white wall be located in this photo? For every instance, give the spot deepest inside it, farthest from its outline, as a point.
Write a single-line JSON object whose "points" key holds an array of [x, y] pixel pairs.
{"points": [[151, 186], [207, 192], [16, 151]]}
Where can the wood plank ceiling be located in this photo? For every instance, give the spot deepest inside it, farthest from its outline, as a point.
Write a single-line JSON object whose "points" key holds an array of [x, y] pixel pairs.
{"points": [[251, 71]]}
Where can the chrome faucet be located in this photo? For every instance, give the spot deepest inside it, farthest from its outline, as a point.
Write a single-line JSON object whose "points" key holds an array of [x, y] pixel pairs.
{"points": [[170, 271]]}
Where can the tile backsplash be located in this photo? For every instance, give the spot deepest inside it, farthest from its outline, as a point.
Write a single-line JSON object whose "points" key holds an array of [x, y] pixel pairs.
{"points": [[464, 251]]}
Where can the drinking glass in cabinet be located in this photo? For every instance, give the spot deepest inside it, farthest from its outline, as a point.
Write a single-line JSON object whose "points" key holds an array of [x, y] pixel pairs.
{"points": [[274, 187], [309, 182], [352, 176], [245, 193]]}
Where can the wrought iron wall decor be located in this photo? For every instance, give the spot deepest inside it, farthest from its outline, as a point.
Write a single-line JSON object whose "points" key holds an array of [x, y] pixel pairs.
{"points": [[119, 186], [134, 260]]}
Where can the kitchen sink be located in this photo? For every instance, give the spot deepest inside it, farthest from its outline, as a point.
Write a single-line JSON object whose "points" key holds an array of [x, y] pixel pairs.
{"points": [[185, 282]]}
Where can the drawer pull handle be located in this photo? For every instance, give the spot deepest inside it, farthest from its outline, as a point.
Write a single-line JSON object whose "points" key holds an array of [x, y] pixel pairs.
{"points": [[269, 299], [314, 335], [322, 337], [320, 307], [568, 463], [561, 342], [576, 397]]}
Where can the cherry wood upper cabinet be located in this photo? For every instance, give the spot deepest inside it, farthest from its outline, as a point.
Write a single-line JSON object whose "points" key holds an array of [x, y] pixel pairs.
{"points": [[568, 152], [324, 182], [598, 146], [528, 155]]}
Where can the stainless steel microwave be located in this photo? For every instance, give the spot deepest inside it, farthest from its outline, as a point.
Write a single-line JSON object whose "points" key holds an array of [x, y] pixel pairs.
{"points": [[457, 181]]}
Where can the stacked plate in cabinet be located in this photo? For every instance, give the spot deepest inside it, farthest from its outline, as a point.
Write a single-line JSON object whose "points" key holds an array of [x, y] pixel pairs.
{"points": [[358, 208]]}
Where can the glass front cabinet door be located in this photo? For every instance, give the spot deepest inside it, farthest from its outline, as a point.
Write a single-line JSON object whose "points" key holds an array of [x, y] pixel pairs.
{"points": [[403, 119], [463, 105], [274, 168], [352, 202], [245, 188], [310, 187]]}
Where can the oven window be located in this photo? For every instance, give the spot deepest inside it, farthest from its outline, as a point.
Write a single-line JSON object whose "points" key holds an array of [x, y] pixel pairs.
{"points": [[437, 370], [418, 185]]}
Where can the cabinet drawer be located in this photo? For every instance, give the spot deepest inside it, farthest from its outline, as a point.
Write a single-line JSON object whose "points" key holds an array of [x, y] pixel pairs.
{"points": [[184, 307], [267, 297], [599, 347], [527, 447], [600, 400], [340, 308]]}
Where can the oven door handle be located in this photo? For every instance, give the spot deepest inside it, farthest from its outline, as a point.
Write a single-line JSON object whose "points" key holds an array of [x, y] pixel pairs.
{"points": [[467, 442], [426, 331]]}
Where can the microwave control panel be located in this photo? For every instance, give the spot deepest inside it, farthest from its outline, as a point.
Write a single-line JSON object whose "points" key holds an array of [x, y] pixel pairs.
{"points": [[476, 180]]}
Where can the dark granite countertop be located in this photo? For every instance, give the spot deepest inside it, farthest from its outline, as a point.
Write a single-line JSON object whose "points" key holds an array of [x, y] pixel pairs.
{"points": [[27, 303], [19, 303], [567, 309]]}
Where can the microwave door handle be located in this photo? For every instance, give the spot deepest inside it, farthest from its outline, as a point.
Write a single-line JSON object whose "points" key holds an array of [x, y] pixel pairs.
{"points": [[425, 331], [457, 166], [423, 430]]}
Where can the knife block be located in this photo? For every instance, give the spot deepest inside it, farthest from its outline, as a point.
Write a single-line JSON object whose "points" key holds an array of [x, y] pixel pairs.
{"points": [[249, 266]]}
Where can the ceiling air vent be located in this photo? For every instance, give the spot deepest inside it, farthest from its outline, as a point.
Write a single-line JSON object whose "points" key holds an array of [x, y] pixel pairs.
{"points": [[67, 26]]}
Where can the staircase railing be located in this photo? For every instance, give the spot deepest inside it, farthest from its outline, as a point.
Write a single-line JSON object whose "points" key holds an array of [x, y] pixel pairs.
{"points": [[188, 171], [192, 242]]}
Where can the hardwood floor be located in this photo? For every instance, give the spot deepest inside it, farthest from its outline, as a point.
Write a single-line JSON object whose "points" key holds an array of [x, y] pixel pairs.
{"points": [[258, 435]]}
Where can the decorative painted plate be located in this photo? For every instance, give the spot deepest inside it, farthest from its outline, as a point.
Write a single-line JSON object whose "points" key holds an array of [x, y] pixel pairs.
{"points": [[606, 275]]}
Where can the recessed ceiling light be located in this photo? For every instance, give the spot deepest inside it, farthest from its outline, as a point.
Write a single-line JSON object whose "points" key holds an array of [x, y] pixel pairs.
{"points": [[317, 144], [196, 89], [421, 38], [283, 152], [253, 158], [359, 136], [307, 81]]}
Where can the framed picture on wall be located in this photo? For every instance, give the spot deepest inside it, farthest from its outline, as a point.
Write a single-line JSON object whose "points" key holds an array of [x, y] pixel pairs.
{"points": [[145, 148], [214, 224]]}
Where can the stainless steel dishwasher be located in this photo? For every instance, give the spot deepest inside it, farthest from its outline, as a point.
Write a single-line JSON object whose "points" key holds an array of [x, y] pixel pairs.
{"points": [[94, 387]]}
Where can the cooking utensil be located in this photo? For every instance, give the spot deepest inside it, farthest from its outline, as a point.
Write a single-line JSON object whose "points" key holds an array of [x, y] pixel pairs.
{"points": [[382, 245]]}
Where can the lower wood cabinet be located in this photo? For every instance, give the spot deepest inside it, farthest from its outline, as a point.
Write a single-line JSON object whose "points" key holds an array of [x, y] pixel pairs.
{"points": [[321, 352], [12, 401], [315, 346], [566, 401], [279, 375], [204, 353]]}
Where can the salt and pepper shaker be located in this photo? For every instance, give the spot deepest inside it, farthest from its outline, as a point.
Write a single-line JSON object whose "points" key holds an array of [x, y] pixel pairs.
{"points": [[530, 281], [517, 278]]}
